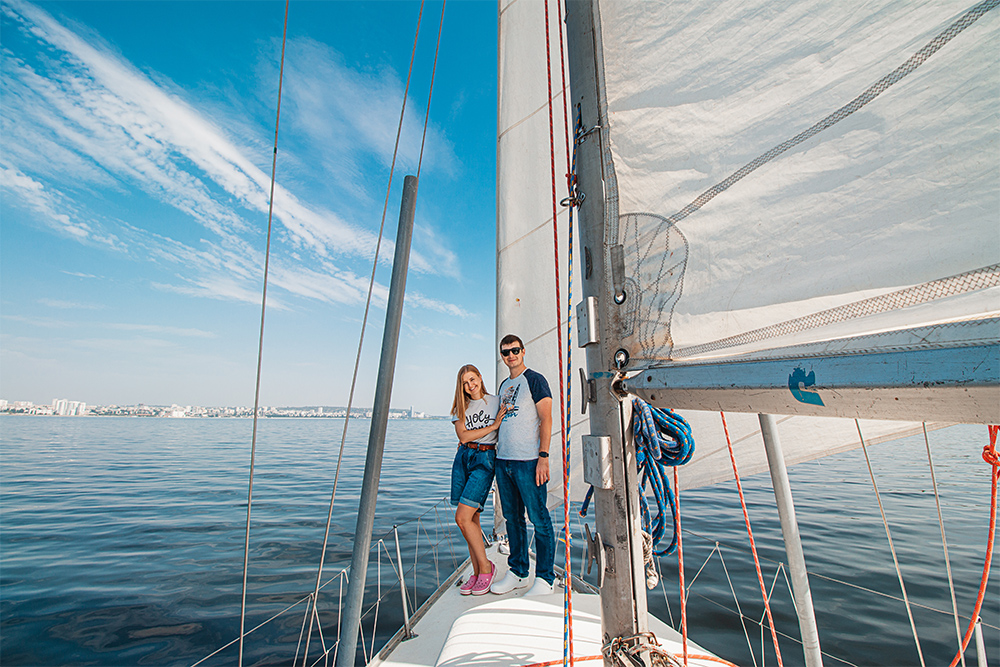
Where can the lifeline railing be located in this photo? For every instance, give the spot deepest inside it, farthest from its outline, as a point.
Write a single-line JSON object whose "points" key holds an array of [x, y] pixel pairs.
{"points": [[780, 574], [440, 539], [446, 536]]}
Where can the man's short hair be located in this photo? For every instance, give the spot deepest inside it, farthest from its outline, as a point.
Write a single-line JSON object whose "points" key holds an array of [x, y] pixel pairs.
{"points": [[509, 339]]}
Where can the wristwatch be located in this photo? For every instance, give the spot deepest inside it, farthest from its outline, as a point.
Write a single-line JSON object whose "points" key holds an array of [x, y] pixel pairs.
{"points": [[543, 455]]}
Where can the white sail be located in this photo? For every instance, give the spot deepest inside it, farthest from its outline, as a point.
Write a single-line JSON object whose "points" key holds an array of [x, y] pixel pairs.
{"points": [[878, 230], [808, 171], [526, 286], [803, 178]]}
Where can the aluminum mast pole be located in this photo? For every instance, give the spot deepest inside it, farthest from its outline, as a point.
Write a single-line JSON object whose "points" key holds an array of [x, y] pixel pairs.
{"points": [[793, 544], [623, 591], [376, 436]]}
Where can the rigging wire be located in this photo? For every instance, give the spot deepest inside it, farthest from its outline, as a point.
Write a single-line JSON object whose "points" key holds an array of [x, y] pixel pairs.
{"points": [[892, 548], [364, 324], [430, 92], [420, 160], [991, 457], [260, 343], [753, 546], [944, 540]]}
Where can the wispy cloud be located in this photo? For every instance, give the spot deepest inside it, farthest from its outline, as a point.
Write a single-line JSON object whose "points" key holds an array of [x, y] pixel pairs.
{"points": [[50, 323], [160, 329], [50, 207], [420, 331], [418, 299], [351, 116], [81, 117], [434, 256], [69, 305]]}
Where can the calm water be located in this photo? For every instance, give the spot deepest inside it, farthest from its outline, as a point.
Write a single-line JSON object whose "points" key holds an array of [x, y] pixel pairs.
{"points": [[122, 540]]}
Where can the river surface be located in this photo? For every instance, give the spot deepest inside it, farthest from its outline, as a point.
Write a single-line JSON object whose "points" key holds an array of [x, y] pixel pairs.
{"points": [[122, 541]]}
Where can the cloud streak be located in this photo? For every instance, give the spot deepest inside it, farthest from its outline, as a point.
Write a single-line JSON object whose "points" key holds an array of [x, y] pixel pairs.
{"points": [[81, 118]]}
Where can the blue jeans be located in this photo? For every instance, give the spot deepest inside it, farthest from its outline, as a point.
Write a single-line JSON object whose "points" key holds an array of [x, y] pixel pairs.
{"points": [[520, 494], [472, 477]]}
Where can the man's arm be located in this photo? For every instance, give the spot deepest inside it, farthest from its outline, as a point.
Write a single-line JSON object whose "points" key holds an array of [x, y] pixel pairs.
{"points": [[544, 407]]}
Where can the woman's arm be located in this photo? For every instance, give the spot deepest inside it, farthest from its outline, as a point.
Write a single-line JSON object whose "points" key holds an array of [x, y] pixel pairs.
{"points": [[465, 435]]}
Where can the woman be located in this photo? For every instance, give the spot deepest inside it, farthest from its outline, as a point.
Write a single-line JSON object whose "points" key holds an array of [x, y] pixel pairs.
{"points": [[477, 416]]}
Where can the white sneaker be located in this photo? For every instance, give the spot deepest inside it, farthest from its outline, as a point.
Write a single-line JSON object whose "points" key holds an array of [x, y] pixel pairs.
{"points": [[540, 587], [509, 582]]}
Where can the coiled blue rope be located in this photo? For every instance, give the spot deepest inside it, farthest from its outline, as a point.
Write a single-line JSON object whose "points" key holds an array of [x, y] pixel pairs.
{"points": [[662, 440]]}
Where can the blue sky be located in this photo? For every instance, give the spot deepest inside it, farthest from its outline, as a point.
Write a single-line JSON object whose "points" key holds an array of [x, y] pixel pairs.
{"points": [[135, 163]]}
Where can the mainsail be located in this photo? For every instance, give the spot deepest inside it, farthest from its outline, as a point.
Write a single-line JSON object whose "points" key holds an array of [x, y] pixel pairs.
{"points": [[526, 273], [785, 181], [797, 172]]}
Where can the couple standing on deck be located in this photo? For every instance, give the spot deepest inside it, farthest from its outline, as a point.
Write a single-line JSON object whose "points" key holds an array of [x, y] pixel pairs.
{"points": [[518, 456]]}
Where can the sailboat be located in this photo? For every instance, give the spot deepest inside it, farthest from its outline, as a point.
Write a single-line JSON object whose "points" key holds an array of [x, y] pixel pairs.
{"points": [[787, 212]]}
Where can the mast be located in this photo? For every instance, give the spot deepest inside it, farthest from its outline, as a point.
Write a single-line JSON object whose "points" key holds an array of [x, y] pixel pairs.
{"points": [[623, 593], [376, 436]]}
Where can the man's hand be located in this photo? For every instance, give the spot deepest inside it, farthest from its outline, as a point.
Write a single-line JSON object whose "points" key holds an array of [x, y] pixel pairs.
{"points": [[542, 471]]}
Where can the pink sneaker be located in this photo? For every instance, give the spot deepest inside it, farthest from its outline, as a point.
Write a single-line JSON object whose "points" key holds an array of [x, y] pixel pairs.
{"points": [[482, 585], [467, 587]]}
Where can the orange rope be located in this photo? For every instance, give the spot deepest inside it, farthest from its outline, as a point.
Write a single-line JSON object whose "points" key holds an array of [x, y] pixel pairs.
{"points": [[560, 661], [680, 569], [991, 457], [753, 546]]}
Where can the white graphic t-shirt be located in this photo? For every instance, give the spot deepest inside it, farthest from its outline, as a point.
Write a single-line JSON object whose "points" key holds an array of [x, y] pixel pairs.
{"points": [[519, 434], [480, 414]]}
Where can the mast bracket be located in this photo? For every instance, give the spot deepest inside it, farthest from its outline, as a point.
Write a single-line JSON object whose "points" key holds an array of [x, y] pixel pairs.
{"points": [[587, 329], [597, 461]]}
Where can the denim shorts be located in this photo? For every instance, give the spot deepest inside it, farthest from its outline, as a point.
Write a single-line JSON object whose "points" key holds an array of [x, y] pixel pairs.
{"points": [[472, 476]]}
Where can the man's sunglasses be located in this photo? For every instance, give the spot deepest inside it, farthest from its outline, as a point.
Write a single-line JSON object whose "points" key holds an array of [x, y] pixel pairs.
{"points": [[511, 350]]}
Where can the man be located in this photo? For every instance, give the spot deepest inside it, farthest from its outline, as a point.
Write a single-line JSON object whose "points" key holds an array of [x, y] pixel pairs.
{"points": [[522, 471]]}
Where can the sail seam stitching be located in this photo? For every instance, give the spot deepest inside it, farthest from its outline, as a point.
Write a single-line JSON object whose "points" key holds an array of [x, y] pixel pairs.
{"points": [[876, 89], [988, 276]]}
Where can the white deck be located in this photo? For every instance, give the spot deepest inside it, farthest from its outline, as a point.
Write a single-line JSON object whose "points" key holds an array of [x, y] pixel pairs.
{"points": [[509, 630]]}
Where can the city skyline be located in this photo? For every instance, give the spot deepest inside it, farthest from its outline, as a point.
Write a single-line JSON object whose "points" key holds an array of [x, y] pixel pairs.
{"points": [[135, 175], [68, 408]]}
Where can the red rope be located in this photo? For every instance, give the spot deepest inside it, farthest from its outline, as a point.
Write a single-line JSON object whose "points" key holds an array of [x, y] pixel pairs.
{"points": [[568, 647], [991, 457], [562, 67], [680, 568], [753, 546]]}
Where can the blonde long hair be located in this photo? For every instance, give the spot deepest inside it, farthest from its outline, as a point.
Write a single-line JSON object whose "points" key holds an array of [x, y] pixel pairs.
{"points": [[462, 399]]}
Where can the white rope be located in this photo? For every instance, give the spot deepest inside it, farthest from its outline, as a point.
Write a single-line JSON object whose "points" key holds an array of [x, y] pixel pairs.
{"points": [[780, 633], [743, 619], [840, 581], [892, 548], [698, 573], [944, 542]]}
